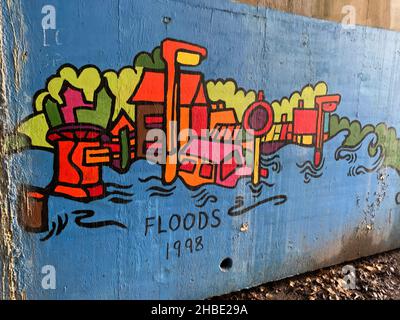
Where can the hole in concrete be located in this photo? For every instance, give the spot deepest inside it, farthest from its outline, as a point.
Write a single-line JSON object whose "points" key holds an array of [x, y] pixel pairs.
{"points": [[166, 20], [226, 264]]}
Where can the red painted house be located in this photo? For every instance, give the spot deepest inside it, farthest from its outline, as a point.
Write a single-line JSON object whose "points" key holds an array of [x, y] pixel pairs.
{"points": [[149, 99]]}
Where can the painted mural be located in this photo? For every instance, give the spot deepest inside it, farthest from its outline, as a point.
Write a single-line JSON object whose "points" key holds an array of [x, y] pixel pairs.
{"points": [[201, 132], [193, 162]]}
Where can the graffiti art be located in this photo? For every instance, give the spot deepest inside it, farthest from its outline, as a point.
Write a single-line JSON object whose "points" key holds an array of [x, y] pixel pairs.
{"points": [[201, 132], [185, 149]]}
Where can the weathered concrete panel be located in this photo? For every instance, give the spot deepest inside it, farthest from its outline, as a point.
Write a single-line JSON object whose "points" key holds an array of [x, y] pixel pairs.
{"points": [[314, 182]]}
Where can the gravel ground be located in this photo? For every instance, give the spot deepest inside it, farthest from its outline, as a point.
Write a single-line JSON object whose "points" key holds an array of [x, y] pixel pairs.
{"points": [[376, 278]]}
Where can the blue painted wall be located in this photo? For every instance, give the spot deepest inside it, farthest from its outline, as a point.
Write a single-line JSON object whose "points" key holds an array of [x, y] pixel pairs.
{"points": [[332, 219]]}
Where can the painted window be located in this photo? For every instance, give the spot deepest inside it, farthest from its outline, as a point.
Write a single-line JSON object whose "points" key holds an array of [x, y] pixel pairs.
{"points": [[206, 171]]}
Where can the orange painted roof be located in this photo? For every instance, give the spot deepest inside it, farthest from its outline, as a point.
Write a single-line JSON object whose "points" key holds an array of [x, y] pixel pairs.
{"points": [[121, 122], [151, 88], [224, 116]]}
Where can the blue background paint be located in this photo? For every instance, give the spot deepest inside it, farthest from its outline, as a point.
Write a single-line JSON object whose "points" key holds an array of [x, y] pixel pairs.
{"points": [[322, 222]]}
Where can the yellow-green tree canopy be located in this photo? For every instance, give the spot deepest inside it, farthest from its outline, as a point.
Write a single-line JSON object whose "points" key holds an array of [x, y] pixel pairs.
{"points": [[89, 80], [234, 97]]}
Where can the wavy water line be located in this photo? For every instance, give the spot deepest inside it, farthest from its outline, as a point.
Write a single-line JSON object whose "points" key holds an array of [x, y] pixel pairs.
{"points": [[144, 180], [239, 208], [270, 162], [350, 149], [119, 193], [161, 189], [200, 193], [269, 185], [119, 197], [257, 195], [275, 157], [255, 190], [117, 200], [50, 233], [361, 170], [381, 157], [164, 195], [310, 164], [117, 186], [310, 171], [56, 227], [308, 176], [212, 199], [86, 214], [61, 223], [350, 155], [202, 197]]}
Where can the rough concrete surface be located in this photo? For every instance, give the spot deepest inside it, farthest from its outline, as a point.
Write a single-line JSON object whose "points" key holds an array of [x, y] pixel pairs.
{"points": [[376, 278]]}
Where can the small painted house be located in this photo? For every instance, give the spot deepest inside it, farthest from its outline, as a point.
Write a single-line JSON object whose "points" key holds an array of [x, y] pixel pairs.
{"points": [[149, 99]]}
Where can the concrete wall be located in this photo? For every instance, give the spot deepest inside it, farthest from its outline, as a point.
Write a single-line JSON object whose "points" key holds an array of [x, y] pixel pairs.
{"points": [[375, 13], [315, 182]]}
